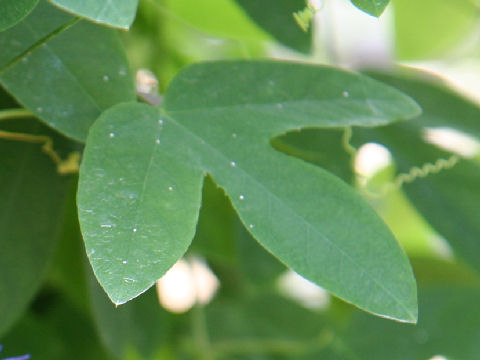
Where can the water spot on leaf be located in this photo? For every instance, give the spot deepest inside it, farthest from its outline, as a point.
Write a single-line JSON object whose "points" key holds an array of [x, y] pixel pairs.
{"points": [[106, 78], [112, 135], [251, 226], [129, 280], [234, 135], [124, 262], [345, 94], [108, 226], [233, 163], [160, 122], [122, 72], [134, 229], [170, 188], [242, 197], [39, 109], [280, 105], [157, 141]]}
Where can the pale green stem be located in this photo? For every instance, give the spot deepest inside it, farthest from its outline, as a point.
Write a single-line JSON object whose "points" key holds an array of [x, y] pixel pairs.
{"points": [[200, 334], [8, 114]]}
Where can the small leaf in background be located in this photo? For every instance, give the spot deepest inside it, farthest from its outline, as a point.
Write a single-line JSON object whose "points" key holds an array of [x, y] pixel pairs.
{"points": [[276, 17], [13, 11], [31, 213], [431, 27], [56, 81], [141, 178], [116, 13], [372, 7]]}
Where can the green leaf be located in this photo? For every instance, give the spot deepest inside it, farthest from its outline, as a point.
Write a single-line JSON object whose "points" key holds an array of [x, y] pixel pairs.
{"points": [[143, 168], [31, 215], [233, 23], [276, 17], [427, 28], [13, 11], [372, 7], [228, 247], [442, 107], [116, 13], [452, 209], [323, 147], [54, 329], [264, 327], [57, 81], [447, 326], [141, 326]]}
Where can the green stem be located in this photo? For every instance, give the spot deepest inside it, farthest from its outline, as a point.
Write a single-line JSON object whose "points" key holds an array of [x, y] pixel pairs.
{"points": [[200, 334], [15, 114], [39, 43]]}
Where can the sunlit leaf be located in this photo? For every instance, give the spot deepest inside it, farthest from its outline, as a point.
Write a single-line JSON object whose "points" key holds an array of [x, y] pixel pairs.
{"points": [[429, 27], [116, 13], [276, 17]]}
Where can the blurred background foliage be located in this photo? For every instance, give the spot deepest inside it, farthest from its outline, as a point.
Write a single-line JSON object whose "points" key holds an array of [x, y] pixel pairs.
{"points": [[256, 313]]}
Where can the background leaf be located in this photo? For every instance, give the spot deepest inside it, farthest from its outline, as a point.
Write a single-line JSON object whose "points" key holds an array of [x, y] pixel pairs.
{"points": [[276, 17], [139, 327], [225, 131], [430, 27], [452, 209], [442, 107], [372, 7], [445, 326], [57, 80], [116, 13], [323, 147], [237, 259], [54, 329], [32, 193], [14, 11], [448, 199], [264, 327]]}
